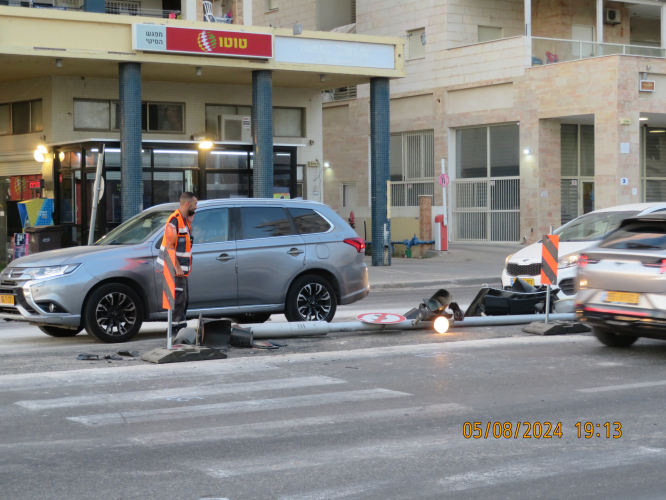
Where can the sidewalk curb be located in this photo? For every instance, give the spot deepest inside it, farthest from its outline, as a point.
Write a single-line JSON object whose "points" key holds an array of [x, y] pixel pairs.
{"points": [[436, 283]]}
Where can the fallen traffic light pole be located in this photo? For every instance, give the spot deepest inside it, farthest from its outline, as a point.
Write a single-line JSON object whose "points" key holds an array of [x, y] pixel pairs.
{"points": [[313, 328]]}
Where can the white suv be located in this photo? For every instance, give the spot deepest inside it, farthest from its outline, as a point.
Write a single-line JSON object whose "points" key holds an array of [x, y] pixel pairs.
{"points": [[575, 236]]}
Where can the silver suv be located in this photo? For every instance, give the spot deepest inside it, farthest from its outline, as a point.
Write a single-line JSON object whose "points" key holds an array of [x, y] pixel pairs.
{"points": [[251, 258], [622, 282]]}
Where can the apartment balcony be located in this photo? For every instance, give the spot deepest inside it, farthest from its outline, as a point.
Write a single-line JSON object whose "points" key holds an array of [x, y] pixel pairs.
{"points": [[120, 7], [554, 50]]}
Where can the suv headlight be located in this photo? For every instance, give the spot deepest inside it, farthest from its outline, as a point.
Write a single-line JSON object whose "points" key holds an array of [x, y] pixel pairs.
{"points": [[36, 273], [568, 261], [506, 261]]}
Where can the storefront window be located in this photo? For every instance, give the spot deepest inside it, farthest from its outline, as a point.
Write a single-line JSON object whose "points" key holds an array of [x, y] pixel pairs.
{"points": [[282, 175], [69, 159], [167, 187], [227, 160], [227, 185], [69, 192], [112, 158], [176, 158], [113, 195], [20, 188]]}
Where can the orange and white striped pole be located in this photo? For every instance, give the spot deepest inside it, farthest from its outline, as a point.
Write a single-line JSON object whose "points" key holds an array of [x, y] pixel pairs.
{"points": [[169, 289], [549, 249]]}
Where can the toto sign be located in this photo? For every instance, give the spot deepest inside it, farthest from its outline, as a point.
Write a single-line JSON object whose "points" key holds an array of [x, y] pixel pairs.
{"points": [[155, 38]]}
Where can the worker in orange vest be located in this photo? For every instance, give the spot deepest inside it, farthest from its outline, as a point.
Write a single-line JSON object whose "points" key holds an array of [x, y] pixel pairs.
{"points": [[178, 237]]}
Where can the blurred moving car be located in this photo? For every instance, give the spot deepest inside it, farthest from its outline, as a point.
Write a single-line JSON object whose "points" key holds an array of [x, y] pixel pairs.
{"points": [[622, 282], [251, 258], [575, 236]]}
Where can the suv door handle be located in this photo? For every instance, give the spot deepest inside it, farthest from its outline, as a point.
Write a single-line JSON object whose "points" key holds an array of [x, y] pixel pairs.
{"points": [[225, 257], [295, 251]]}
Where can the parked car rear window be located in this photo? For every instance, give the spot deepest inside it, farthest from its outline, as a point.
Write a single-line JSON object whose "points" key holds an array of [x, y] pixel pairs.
{"points": [[264, 222], [639, 235], [308, 221], [592, 226], [211, 226], [137, 229]]}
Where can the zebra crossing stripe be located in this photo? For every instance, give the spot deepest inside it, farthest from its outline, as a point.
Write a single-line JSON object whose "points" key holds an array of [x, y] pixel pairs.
{"points": [[180, 394], [129, 374], [293, 427], [133, 417]]}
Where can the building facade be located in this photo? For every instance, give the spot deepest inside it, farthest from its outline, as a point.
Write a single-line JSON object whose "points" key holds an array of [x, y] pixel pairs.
{"points": [[212, 106], [531, 108]]}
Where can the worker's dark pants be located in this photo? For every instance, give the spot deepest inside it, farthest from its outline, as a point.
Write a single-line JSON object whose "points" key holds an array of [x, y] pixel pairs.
{"points": [[179, 319]]}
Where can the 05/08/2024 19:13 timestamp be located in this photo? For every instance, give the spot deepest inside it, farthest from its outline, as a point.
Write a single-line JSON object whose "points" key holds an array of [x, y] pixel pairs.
{"points": [[539, 430]]}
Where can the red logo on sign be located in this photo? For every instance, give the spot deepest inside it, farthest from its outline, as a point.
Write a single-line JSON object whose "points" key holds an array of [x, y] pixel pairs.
{"points": [[381, 318], [227, 43]]}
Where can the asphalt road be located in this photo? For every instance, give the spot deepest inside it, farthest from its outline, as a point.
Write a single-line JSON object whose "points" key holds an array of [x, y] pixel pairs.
{"points": [[370, 423], [25, 349]]}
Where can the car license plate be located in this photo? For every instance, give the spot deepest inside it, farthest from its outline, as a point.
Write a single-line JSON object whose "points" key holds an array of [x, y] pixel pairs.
{"points": [[7, 299], [529, 281], [622, 297]]}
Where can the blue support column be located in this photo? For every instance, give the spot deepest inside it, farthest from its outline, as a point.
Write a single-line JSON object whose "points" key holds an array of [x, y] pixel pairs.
{"points": [[262, 133], [380, 137], [131, 174]]}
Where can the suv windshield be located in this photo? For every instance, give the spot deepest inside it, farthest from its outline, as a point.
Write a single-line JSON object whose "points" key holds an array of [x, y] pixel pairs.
{"points": [[137, 229], [639, 235], [592, 227]]}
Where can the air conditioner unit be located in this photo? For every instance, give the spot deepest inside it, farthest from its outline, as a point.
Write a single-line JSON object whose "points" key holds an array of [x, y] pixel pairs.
{"points": [[232, 128], [612, 16]]}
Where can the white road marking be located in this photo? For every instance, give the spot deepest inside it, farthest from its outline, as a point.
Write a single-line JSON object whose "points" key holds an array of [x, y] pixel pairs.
{"points": [[91, 377], [334, 494], [622, 387], [287, 428], [326, 456], [130, 417], [181, 394], [531, 471]]}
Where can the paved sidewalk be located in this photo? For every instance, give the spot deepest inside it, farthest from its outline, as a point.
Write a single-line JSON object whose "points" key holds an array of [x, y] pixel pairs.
{"points": [[463, 264]]}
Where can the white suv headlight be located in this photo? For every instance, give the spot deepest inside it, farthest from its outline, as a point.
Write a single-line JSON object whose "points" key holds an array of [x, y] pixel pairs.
{"points": [[568, 261], [48, 272], [506, 261]]}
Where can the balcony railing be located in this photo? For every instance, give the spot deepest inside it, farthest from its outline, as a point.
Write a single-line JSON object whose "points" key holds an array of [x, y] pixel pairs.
{"points": [[554, 50], [123, 8]]}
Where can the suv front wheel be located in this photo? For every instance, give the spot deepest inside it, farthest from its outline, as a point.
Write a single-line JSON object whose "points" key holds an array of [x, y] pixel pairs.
{"points": [[113, 313], [311, 298]]}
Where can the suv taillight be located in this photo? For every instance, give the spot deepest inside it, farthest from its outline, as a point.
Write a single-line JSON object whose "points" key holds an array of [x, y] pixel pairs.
{"points": [[357, 243], [661, 264]]}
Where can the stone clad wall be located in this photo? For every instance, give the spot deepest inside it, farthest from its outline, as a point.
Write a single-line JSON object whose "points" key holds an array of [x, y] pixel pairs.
{"points": [[465, 16]]}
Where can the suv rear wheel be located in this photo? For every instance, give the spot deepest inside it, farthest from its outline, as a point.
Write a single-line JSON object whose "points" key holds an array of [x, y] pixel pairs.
{"points": [[113, 313], [612, 339], [56, 331], [311, 298]]}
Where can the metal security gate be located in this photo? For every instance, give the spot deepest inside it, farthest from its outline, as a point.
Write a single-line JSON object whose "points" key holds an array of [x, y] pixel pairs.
{"points": [[486, 210]]}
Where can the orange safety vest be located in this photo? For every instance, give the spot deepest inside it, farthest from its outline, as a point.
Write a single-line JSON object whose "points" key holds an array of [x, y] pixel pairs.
{"points": [[183, 245]]}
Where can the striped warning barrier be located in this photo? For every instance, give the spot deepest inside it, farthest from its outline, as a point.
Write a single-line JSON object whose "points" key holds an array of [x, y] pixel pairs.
{"points": [[549, 245], [169, 289]]}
